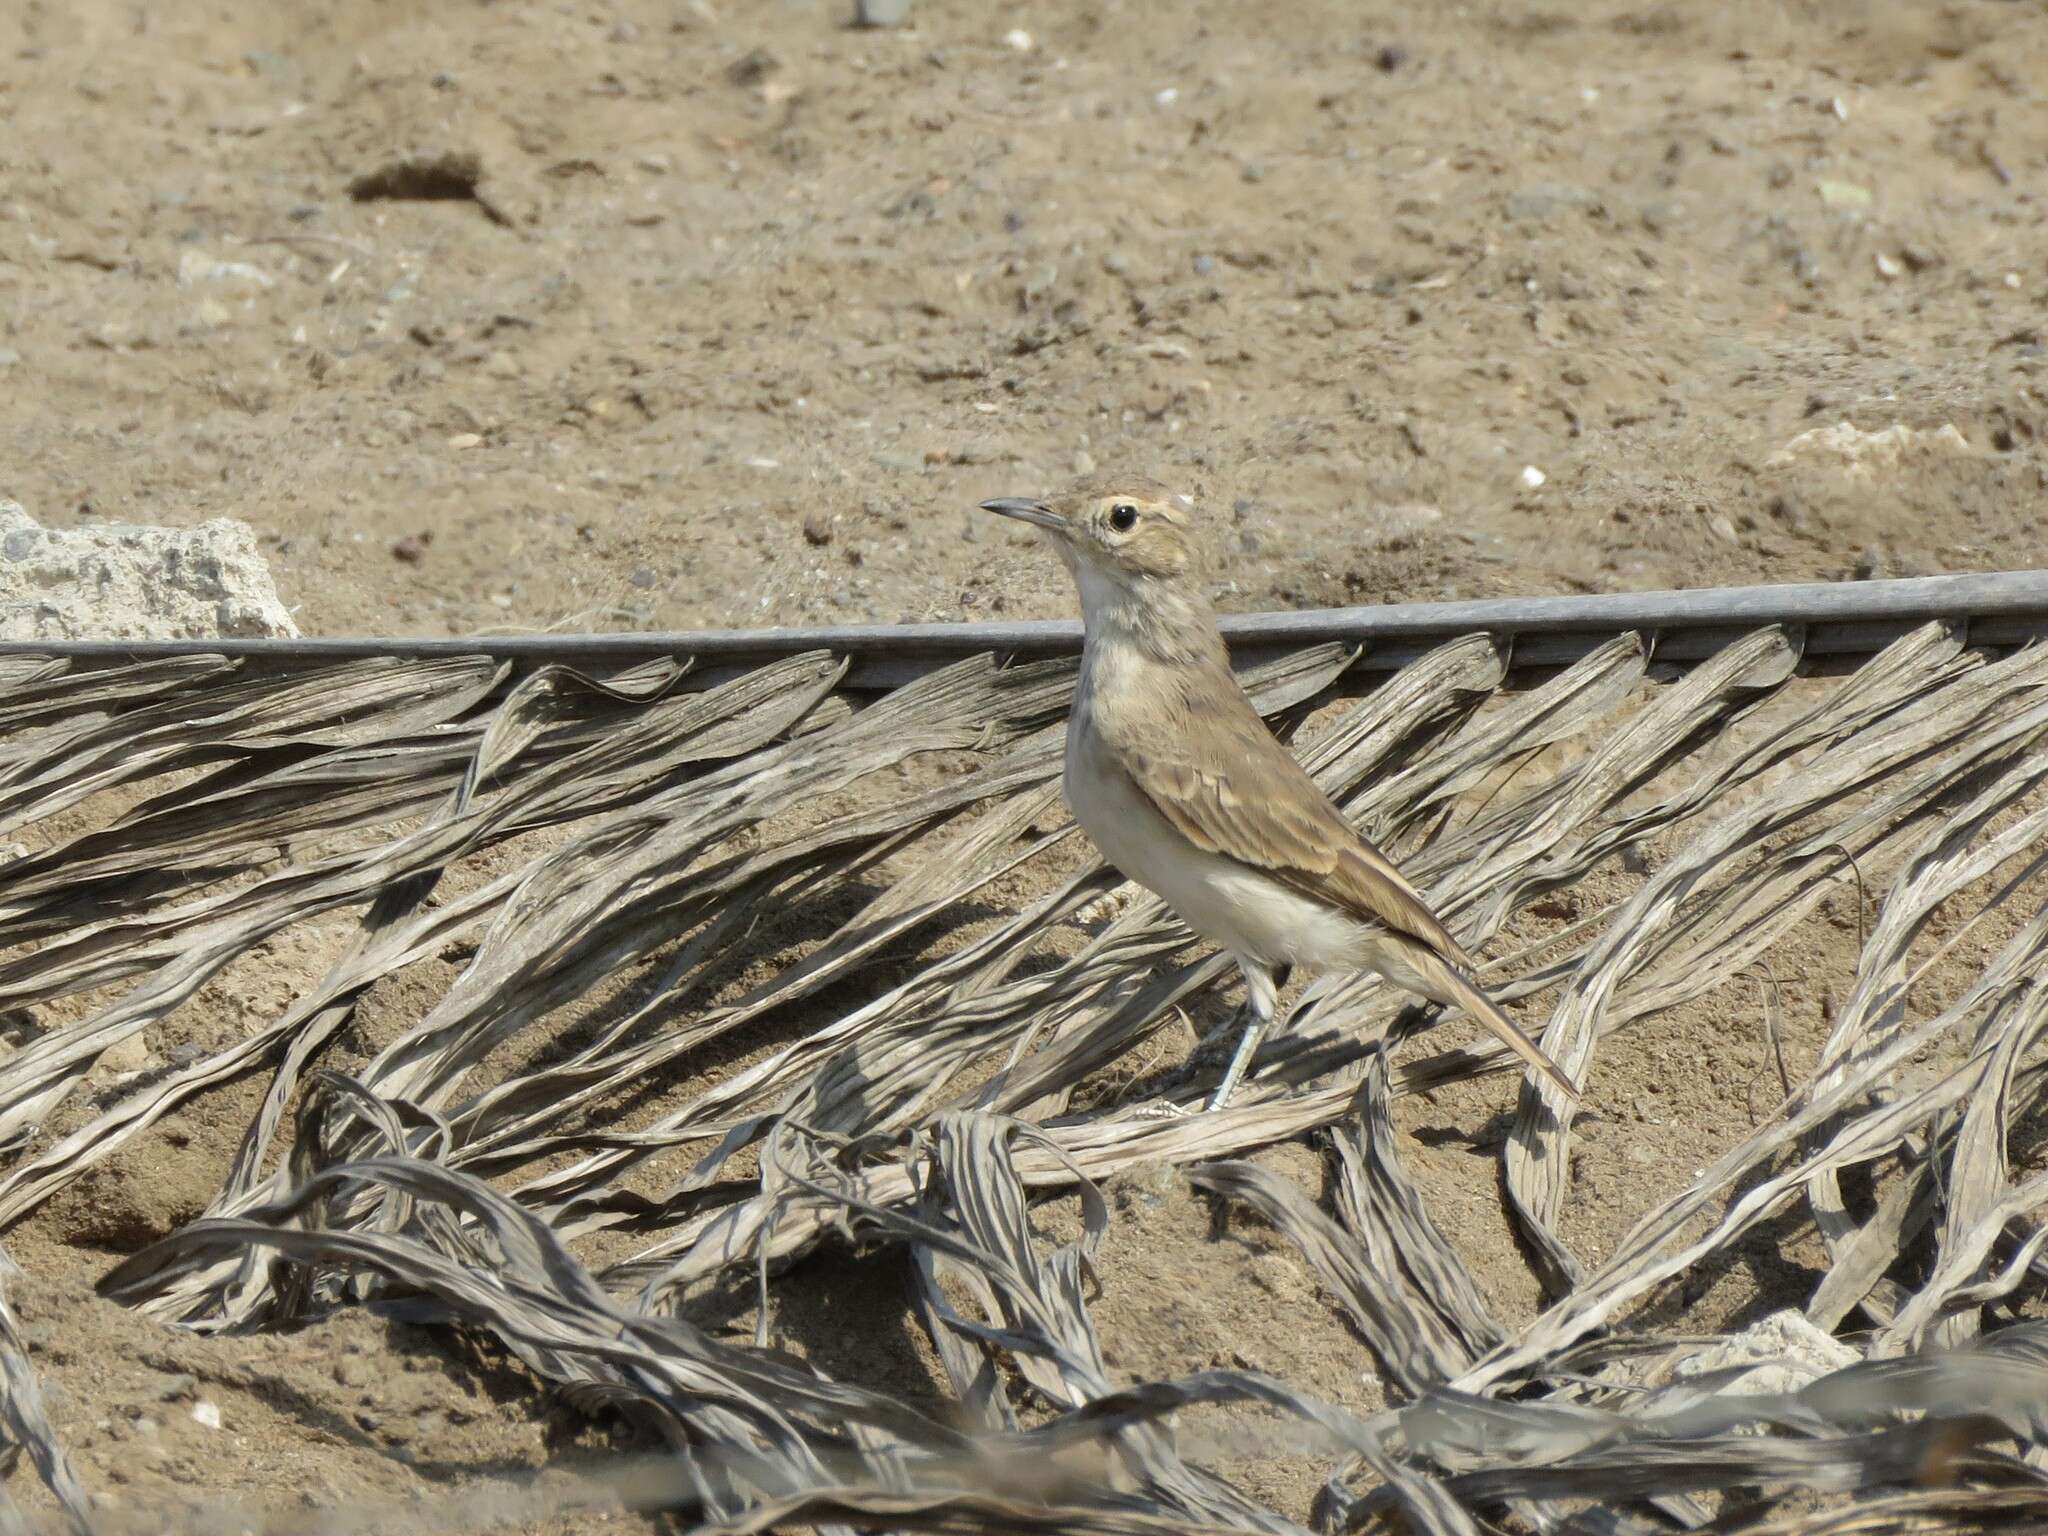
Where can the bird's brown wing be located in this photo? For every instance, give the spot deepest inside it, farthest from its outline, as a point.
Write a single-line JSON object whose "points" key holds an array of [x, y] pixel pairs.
{"points": [[1227, 785]]}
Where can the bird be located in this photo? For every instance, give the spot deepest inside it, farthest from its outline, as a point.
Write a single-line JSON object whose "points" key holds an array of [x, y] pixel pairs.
{"points": [[1172, 772]]}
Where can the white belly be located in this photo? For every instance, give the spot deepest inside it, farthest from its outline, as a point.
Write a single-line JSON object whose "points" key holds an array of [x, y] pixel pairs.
{"points": [[1226, 902]]}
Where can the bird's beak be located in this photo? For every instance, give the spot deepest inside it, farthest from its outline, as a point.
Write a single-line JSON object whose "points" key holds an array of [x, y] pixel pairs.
{"points": [[1026, 510]]}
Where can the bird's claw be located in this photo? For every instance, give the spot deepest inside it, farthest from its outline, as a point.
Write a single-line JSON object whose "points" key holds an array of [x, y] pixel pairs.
{"points": [[1161, 1109]]}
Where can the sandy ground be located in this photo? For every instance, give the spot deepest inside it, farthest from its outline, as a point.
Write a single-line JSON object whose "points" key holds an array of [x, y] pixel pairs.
{"points": [[673, 313]]}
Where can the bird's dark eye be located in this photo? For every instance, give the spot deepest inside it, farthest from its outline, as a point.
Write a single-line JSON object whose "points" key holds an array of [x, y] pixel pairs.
{"points": [[1123, 517]]}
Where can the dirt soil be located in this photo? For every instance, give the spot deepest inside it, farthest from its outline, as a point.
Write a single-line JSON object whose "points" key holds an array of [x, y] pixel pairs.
{"points": [[679, 313]]}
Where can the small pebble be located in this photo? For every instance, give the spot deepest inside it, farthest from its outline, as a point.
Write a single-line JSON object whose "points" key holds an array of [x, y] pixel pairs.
{"points": [[129, 1055], [1204, 265], [465, 440], [1020, 40], [1532, 477], [411, 547], [817, 529], [172, 1385], [1391, 58], [880, 13], [206, 1413], [753, 68]]}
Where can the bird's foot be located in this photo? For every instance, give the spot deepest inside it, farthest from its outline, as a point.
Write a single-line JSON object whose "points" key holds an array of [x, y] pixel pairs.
{"points": [[1247, 1047], [1160, 1109], [1221, 1041]]}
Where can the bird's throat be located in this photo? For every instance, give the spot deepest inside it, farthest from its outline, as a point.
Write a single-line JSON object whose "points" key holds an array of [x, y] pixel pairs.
{"points": [[1167, 621]]}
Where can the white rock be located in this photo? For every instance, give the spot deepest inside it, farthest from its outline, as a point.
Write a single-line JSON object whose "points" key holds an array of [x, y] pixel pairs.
{"points": [[195, 266], [206, 1413], [127, 582], [1864, 455], [1787, 1351], [1532, 477]]}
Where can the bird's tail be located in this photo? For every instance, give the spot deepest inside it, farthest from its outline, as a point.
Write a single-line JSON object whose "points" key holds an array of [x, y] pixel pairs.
{"points": [[1421, 969]]}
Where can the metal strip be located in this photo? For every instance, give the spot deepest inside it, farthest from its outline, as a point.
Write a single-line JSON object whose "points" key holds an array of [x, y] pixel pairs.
{"points": [[2002, 608]]}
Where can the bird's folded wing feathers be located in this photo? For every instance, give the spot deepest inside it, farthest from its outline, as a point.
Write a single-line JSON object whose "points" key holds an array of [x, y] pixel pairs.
{"points": [[1231, 788]]}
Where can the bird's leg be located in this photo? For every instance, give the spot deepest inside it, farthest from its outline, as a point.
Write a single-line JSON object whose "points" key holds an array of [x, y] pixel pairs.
{"points": [[1261, 994]]}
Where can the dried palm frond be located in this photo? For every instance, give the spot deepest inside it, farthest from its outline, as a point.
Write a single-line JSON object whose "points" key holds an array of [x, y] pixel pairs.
{"points": [[641, 879]]}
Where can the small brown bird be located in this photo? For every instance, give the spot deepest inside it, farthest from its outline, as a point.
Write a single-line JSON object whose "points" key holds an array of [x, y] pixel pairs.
{"points": [[1175, 776]]}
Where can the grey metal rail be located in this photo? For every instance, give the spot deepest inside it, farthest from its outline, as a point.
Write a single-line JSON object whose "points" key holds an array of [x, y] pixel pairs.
{"points": [[1840, 619]]}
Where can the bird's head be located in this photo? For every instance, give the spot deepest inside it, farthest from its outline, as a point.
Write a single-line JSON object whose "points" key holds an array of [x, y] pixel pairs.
{"points": [[1117, 535]]}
